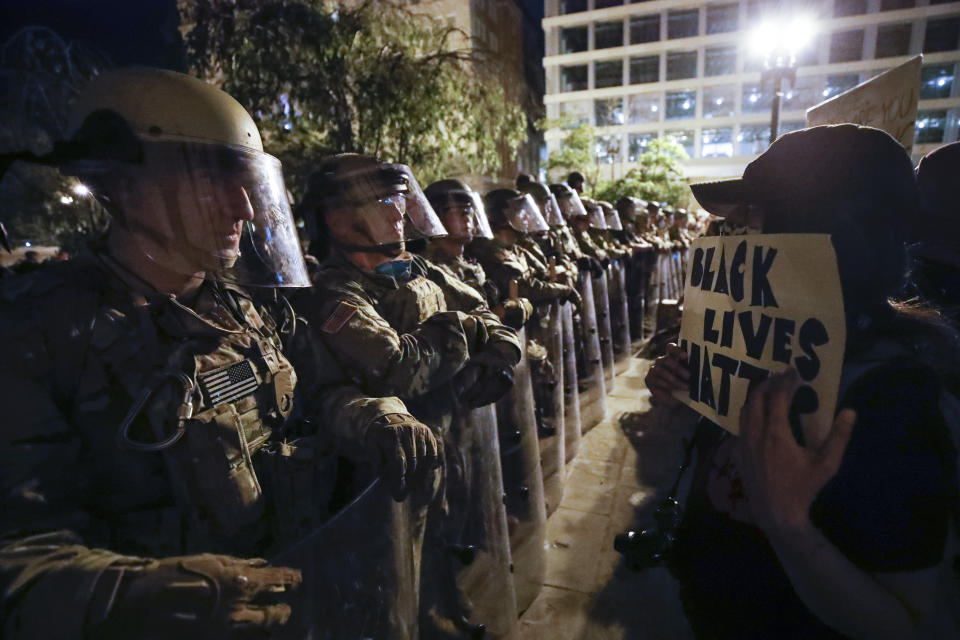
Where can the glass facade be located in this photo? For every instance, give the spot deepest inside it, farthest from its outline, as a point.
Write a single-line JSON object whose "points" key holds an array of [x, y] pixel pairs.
{"points": [[719, 102], [608, 73], [708, 103], [681, 104], [608, 34], [645, 29], [645, 69], [645, 107], [608, 112], [681, 65]]}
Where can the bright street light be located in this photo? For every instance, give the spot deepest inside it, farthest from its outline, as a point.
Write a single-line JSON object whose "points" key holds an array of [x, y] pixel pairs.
{"points": [[778, 41], [81, 189]]}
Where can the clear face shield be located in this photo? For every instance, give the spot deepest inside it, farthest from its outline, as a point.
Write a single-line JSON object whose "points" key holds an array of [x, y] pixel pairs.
{"points": [[551, 210], [378, 207], [194, 207], [595, 216], [612, 218], [524, 215], [463, 216], [570, 205]]}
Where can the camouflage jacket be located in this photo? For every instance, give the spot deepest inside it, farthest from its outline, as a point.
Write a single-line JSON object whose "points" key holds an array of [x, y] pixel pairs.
{"points": [[97, 371], [400, 338], [588, 246], [505, 264]]}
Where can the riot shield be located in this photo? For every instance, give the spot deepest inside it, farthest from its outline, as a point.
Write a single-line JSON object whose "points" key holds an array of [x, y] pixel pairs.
{"points": [[571, 397], [592, 387], [479, 539], [548, 330], [635, 288], [359, 574], [619, 316], [523, 484], [601, 301]]}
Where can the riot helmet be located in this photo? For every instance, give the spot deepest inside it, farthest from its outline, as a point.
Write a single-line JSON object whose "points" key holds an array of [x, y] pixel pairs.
{"points": [[610, 216], [546, 201], [363, 205], [510, 209], [460, 209], [628, 207], [180, 166], [568, 200], [594, 214]]}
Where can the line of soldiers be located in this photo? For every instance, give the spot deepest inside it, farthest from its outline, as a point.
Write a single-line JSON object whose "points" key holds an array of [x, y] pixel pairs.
{"points": [[205, 438]]}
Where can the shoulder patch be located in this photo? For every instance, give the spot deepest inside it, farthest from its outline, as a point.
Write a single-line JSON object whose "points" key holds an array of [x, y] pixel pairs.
{"points": [[340, 316]]}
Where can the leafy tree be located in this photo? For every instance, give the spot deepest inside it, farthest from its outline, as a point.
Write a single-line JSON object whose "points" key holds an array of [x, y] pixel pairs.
{"points": [[373, 78], [40, 73], [576, 153], [658, 177]]}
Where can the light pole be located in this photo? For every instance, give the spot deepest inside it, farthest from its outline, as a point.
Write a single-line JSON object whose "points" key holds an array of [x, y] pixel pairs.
{"points": [[777, 42]]}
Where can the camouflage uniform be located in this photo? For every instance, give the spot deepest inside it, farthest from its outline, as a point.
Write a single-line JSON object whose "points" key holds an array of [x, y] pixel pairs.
{"points": [[96, 365], [505, 264]]}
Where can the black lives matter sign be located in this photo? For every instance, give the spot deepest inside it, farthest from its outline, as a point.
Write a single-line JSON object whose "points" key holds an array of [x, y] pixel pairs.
{"points": [[755, 305]]}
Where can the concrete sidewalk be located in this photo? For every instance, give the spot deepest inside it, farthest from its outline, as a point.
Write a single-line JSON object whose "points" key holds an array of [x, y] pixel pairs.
{"points": [[615, 483]]}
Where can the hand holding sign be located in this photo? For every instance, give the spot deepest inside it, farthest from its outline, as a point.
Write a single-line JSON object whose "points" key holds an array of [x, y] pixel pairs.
{"points": [[782, 478], [667, 375]]}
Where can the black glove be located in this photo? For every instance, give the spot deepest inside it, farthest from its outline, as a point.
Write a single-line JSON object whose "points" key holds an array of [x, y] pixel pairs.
{"points": [[486, 377], [573, 296], [409, 452], [203, 596]]}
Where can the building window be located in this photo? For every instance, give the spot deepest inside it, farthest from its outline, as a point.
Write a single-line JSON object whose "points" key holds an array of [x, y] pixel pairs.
{"points": [[716, 143], [941, 35], [608, 73], [849, 8], [756, 9], [936, 81], [753, 139], [639, 143], [608, 112], [684, 23], [932, 2], [681, 104], [573, 39], [645, 69], [608, 34], [645, 107], [718, 102], [755, 100], [791, 125], [893, 40], [803, 94], [846, 46], [681, 65], [603, 4], [720, 61], [645, 28], [608, 149], [930, 127], [722, 18], [573, 78], [684, 138], [577, 113], [572, 6], [840, 82], [893, 5]]}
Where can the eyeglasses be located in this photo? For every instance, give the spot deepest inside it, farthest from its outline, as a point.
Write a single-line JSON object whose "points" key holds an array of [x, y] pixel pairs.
{"points": [[397, 200]]}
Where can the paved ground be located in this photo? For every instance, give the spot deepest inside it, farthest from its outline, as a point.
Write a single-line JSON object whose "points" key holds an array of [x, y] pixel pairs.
{"points": [[613, 484]]}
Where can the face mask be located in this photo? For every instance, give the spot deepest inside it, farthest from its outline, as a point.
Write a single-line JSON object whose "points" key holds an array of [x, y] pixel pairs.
{"points": [[400, 270]]}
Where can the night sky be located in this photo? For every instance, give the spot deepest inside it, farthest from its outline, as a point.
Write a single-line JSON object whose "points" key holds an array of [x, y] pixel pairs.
{"points": [[141, 32]]}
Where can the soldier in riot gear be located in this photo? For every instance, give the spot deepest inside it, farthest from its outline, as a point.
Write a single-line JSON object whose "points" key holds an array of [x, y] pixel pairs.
{"points": [[146, 473], [461, 211], [575, 180], [399, 325]]}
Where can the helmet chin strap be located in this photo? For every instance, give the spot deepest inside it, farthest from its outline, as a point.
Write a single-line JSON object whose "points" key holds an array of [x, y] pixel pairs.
{"points": [[391, 250]]}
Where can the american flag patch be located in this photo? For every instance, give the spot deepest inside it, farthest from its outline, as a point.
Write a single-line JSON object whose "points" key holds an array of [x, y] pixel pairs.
{"points": [[339, 317], [228, 383]]}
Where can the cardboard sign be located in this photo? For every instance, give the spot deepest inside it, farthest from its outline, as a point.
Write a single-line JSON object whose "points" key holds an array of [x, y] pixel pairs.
{"points": [[887, 101], [755, 305]]}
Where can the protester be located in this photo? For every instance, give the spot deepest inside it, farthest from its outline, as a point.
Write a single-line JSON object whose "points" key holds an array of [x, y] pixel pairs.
{"points": [[780, 540]]}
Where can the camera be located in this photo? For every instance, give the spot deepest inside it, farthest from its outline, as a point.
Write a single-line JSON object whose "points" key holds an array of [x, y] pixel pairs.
{"points": [[649, 548]]}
